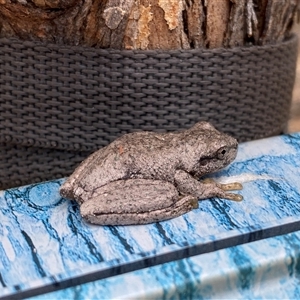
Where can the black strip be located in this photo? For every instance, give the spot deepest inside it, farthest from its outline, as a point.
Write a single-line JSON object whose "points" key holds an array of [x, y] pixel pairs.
{"points": [[33, 254], [257, 234], [162, 233], [123, 241], [71, 223], [2, 281]]}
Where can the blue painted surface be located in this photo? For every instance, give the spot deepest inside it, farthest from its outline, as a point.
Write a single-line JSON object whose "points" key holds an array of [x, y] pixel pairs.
{"points": [[265, 269], [43, 240]]}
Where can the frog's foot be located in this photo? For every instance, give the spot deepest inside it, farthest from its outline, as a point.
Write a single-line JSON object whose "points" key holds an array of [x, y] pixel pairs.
{"points": [[233, 186], [136, 201], [207, 188]]}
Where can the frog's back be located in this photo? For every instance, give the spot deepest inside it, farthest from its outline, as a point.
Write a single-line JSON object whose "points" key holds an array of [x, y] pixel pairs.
{"points": [[133, 155]]}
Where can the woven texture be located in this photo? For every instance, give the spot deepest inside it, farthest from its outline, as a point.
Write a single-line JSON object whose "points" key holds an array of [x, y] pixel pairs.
{"points": [[75, 100], [24, 165]]}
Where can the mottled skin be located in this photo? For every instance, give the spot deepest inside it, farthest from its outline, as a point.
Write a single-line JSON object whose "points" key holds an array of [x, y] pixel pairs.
{"points": [[145, 177]]}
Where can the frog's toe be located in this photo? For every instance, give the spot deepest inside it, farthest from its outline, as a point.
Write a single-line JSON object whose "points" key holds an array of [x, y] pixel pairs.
{"points": [[193, 201], [233, 197], [233, 186]]}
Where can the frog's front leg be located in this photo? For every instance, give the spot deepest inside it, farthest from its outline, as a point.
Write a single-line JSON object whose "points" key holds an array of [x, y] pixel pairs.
{"points": [[188, 185], [135, 201]]}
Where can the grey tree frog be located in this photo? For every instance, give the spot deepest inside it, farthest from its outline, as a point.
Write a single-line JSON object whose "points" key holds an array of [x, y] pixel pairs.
{"points": [[145, 177]]}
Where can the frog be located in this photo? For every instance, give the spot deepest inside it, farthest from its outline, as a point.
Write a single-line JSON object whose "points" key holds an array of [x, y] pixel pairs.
{"points": [[146, 177]]}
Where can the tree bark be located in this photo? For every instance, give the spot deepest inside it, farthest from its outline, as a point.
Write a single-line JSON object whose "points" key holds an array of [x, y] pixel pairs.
{"points": [[149, 24]]}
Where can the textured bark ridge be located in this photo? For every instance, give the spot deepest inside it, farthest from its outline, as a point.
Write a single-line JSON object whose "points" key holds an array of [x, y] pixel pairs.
{"points": [[149, 24]]}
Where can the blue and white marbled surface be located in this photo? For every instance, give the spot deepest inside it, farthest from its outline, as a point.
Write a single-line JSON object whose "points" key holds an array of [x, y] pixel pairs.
{"points": [[44, 242], [265, 269]]}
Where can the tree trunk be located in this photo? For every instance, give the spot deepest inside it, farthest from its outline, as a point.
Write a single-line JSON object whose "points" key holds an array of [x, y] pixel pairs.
{"points": [[149, 24]]}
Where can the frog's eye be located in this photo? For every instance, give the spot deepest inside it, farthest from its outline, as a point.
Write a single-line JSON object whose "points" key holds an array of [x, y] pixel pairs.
{"points": [[221, 152]]}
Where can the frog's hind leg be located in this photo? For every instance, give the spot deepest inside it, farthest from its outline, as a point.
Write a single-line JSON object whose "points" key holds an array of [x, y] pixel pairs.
{"points": [[135, 201]]}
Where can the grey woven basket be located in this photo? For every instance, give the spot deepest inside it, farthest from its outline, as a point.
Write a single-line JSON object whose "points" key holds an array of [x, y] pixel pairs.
{"points": [[60, 103]]}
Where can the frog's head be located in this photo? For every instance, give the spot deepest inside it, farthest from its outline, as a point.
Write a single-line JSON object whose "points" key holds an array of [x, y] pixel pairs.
{"points": [[209, 150]]}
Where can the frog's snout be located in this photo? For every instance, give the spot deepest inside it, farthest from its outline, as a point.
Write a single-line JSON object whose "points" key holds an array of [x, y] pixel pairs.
{"points": [[233, 142]]}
